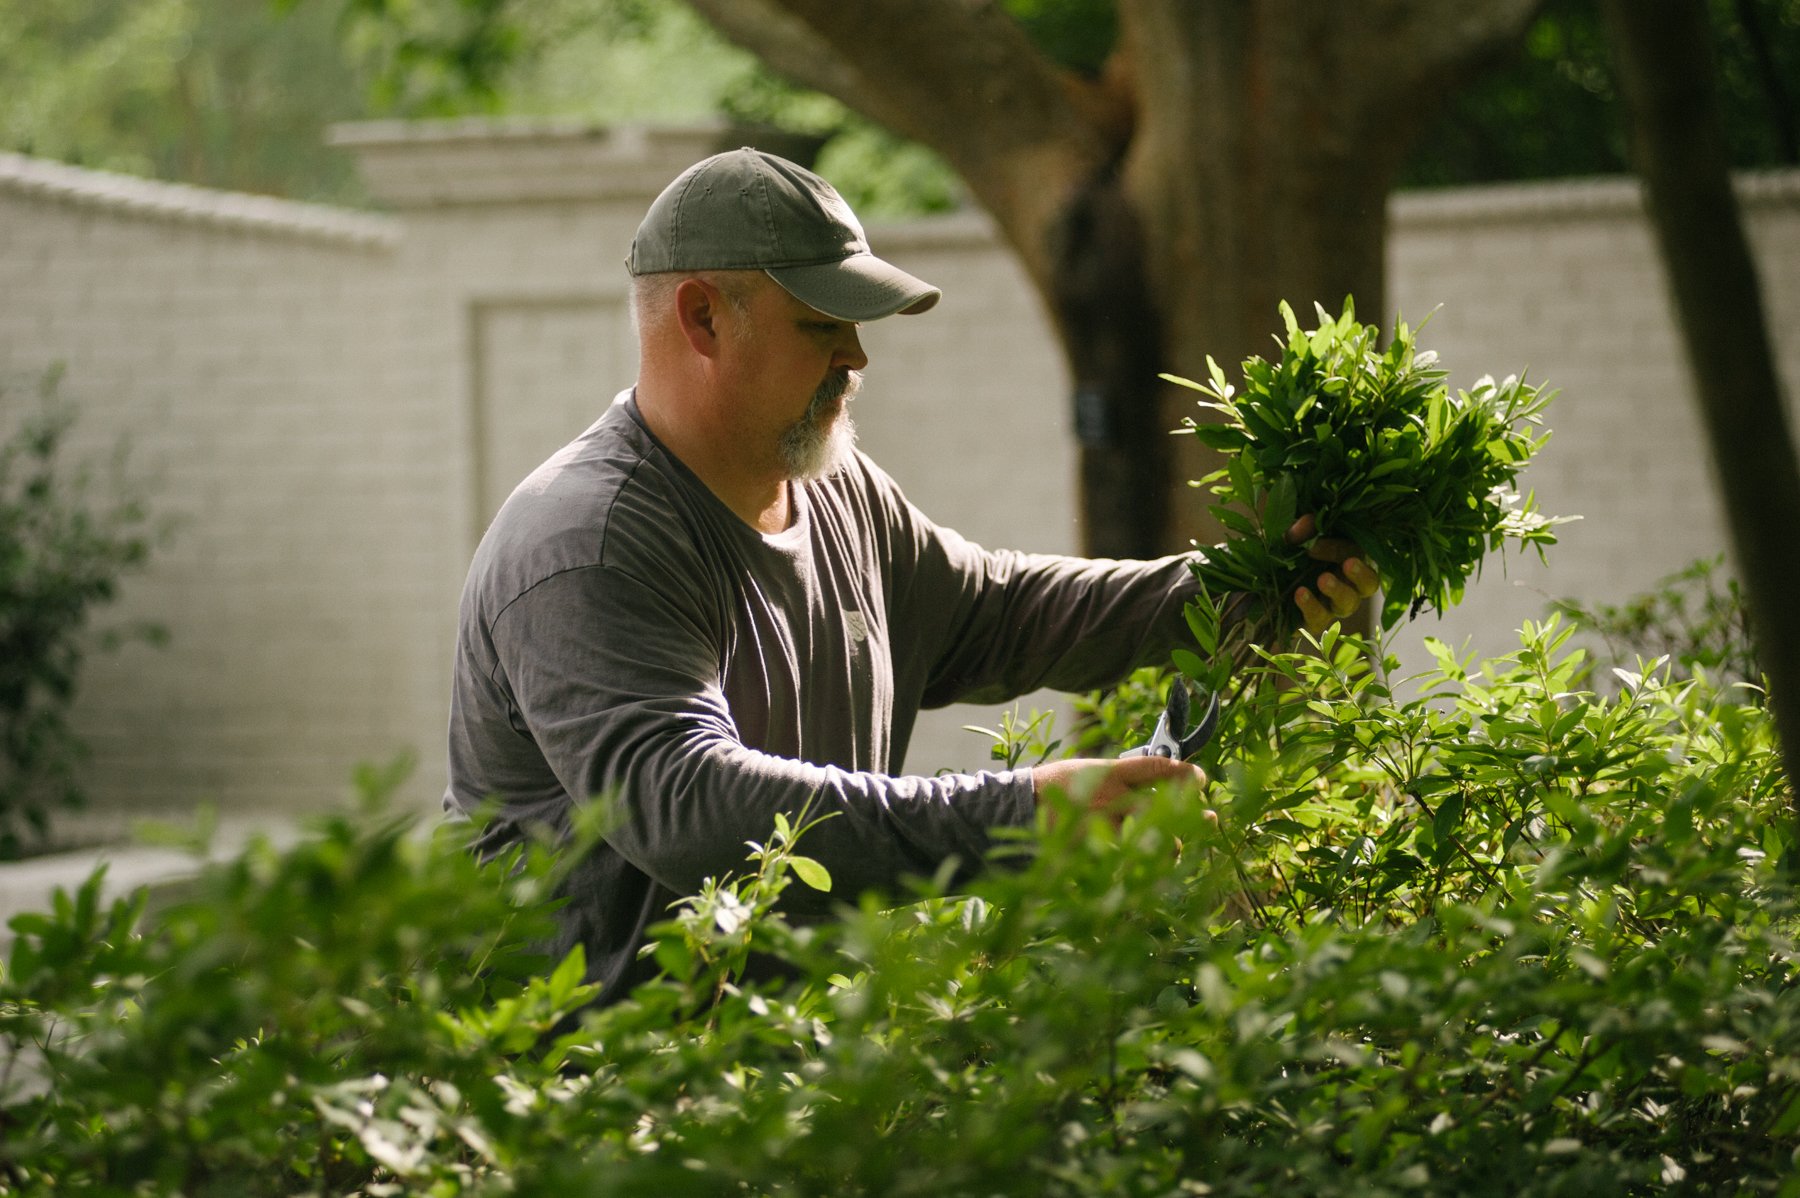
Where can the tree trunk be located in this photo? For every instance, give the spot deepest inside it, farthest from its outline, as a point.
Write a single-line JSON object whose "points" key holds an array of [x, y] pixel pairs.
{"points": [[1268, 181], [1664, 55], [1111, 333]]}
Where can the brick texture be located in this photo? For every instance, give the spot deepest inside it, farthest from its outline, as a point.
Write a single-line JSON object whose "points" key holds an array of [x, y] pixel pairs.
{"points": [[1563, 284]]}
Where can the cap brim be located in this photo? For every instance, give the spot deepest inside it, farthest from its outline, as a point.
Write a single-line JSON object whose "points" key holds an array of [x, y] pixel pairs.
{"points": [[860, 287]]}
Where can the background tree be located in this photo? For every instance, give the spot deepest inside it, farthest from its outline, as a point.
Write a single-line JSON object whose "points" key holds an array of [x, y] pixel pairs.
{"points": [[1553, 109], [216, 92]]}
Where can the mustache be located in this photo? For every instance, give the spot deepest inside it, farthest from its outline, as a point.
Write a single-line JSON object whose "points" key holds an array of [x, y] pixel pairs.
{"points": [[835, 387]]}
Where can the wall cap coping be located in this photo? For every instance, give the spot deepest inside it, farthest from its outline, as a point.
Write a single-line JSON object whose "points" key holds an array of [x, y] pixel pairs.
{"points": [[629, 138], [40, 178], [1607, 195], [962, 229], [509, 160]]}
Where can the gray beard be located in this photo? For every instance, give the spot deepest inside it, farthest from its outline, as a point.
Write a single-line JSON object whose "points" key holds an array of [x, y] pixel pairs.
{"points": [[819, 444]]}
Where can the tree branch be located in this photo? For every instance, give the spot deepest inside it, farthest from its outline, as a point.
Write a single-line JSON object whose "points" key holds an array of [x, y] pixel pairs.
{"points": [[784, 42], [959, 76], [1452, 32], [1432, 47]]}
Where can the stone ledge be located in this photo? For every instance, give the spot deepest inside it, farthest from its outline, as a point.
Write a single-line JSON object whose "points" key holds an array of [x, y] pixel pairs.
{"points": [[967, 229], [59, 182], [431, 164], [28, 885], [1612, 195]]}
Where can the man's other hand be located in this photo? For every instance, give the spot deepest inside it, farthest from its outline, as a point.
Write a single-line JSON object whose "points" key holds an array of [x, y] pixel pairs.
{"points": [[1111, 786], [1339, 590]]}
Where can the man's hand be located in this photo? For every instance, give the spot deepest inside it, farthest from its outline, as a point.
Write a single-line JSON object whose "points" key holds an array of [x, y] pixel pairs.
{"points": [[1110, 784], [1340, 590]]}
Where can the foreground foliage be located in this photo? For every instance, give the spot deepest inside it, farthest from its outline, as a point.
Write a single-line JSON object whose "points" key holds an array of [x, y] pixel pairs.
{"points": [[1508, 936]]}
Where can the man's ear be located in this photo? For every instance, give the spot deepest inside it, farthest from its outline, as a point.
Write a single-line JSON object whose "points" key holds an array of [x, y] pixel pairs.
{"points": [[697, 308]]}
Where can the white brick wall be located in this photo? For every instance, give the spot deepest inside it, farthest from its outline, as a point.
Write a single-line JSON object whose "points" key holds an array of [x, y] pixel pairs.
{"points": [[243, 361], [1563, 281], [333, 403]]}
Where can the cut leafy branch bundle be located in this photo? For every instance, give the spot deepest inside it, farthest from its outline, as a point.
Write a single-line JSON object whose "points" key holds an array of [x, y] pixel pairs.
{"points": [[1376, 446]]}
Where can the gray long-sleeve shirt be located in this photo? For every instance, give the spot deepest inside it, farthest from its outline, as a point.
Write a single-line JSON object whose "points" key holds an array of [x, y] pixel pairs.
{"points": [[624, 635]]}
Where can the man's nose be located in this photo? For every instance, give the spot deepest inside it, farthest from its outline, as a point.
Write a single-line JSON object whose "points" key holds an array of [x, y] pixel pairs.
{"points": [[850, 352]]}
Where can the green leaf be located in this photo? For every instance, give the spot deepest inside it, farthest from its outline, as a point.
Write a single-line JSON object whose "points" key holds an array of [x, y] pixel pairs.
{"points": [[1789, 1120], [565, 986], [1449, 815], [1220, 436], [1279, 514], [31, 923], [676, 959], [1236, 521], [1216, 374], [1203, 621], [811, 872], [1190, 665]]}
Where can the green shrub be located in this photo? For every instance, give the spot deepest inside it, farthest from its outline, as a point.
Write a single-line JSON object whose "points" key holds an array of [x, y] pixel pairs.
{"points": [[64, 544], [1506, 937]]}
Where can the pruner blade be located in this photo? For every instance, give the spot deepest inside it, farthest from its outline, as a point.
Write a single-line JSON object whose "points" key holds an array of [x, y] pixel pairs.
{"points": [[1172, 737]]}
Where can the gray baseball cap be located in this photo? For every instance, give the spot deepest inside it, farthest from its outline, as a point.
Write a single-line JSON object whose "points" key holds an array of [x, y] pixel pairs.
{"points": [[748, 210]]}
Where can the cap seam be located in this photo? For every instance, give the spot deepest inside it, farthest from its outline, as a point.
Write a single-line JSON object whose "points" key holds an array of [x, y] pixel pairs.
{"points": [[680, 217], [771, 238]]}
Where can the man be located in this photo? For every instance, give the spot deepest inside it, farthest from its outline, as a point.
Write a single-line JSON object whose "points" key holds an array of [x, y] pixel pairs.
{"points": [[709, 608]]}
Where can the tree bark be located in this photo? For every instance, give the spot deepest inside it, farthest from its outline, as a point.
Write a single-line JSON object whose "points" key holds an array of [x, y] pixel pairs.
{"points": [[1234, 153], [1666, 72]]}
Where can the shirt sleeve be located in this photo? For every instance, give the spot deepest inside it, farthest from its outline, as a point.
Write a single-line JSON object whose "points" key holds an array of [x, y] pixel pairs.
{"points": [[617, 682], [1017, 622]]}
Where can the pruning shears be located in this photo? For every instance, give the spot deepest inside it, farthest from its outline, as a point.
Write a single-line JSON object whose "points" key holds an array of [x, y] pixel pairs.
{"points": [[1172, 737]]}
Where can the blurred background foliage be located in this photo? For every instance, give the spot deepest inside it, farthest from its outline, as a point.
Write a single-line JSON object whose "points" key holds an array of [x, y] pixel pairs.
{"points": [[237, 93], [227, 93]]}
